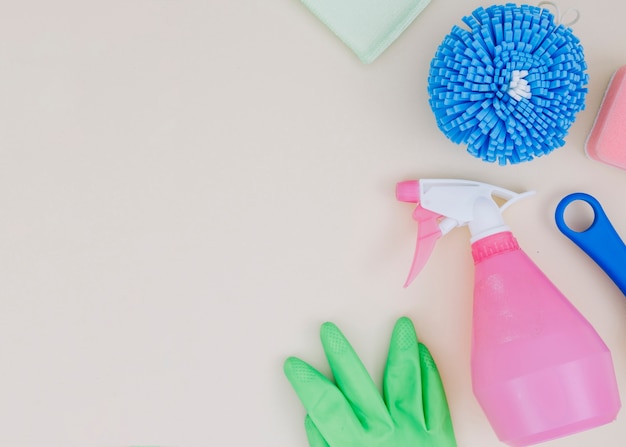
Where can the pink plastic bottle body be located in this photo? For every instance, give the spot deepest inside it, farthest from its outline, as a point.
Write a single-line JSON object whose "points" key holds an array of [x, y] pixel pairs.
{"points": [[539, 369]]}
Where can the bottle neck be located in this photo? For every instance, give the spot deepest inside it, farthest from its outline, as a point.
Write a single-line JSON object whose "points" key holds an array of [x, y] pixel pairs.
{"points": [[492, 245]]}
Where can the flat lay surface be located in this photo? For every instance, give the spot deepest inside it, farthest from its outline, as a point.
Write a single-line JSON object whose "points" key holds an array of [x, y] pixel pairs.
{"points": [[190, 189]]}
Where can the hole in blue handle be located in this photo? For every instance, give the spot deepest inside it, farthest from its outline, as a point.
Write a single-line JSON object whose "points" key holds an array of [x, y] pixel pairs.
{"points": [[579, 216]]}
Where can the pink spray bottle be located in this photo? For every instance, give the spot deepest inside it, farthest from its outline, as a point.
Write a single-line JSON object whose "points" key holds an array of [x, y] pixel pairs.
{"points": [[539, 369]]}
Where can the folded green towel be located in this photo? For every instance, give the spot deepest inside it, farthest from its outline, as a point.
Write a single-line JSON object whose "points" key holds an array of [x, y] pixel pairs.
{"points": [[368, 27]]}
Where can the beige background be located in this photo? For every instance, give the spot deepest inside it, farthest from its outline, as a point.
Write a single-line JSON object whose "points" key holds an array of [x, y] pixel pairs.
{"points": [[189, 188]]}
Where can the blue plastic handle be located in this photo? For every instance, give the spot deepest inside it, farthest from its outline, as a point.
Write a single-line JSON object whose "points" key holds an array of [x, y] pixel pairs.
{"points": [[600, 241]]}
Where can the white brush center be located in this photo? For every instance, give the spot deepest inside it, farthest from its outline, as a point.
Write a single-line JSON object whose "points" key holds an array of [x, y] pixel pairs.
{"points": [[519, 87]]}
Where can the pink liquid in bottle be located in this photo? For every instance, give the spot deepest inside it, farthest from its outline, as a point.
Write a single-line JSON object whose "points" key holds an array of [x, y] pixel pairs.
{"points": [[539, 369]]}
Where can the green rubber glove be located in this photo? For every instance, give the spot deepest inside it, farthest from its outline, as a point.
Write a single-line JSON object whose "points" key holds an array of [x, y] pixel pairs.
{"points": [[413, 411]]}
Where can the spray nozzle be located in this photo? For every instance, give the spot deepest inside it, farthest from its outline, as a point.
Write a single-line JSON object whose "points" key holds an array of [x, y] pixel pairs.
{"points": [[444, 204]]}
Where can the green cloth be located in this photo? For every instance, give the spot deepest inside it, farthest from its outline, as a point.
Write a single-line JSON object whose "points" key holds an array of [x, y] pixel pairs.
{"points": [[368, 27], [412, 412]]}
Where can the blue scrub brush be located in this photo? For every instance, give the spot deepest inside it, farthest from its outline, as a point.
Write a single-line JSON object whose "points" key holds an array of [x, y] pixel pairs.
{"points": [[509, 87]]}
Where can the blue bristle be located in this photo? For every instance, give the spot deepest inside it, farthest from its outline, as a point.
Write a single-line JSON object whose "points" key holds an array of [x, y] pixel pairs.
{"points": [[472, 70]]}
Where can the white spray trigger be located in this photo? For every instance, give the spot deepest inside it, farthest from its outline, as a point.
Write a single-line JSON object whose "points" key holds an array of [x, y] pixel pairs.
{"points": [[444, 204], [455, 198]]}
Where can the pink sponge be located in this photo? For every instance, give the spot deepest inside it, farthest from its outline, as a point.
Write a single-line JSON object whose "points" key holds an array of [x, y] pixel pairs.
{"points": [[607, 140]]}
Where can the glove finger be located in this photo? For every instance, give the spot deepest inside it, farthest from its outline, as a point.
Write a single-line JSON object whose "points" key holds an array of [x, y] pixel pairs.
{"points": [[313, 434], [402, 385], [353, 379], [325, 404], [435, 404]]}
